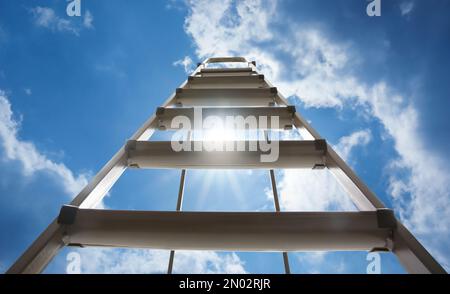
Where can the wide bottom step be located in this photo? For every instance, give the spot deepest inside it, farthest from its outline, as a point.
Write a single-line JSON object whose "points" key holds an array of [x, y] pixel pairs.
{"points": [[235, 231]]}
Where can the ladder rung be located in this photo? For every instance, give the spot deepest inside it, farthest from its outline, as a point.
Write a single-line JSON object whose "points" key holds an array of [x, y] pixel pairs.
{"points": [[227, 74], [249, 81], [284, 114], [226, 70], [291, 154], [243, 231], [225, 59], [226, 97]]}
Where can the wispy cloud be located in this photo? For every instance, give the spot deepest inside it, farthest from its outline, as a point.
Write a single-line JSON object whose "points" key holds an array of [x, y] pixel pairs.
{"points": [[406, 7], [110, 67], [28, 91], [348, 143], [46, 17], [208, 262], [115, 261], [31, 159], [186, 63], [318, 72], [175, 4], [88, 20], [313, 263]]}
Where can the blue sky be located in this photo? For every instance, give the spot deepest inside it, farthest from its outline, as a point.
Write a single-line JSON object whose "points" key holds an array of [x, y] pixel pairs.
{"points": [[73, 89]]}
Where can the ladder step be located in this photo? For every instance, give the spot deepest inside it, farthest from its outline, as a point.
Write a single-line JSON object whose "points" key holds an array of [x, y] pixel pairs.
{"points": [[230, 231], [226, 70], [226, 97], [249, 81], [225, 59], [226, 74], [285, 115], [290, 154]]}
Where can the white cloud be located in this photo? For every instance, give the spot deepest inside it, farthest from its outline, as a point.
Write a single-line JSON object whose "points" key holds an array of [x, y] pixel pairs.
{"points": [[110, 67], [46, 17], [175, 4], [219, 28], [406, 7], [310, 190], [314, 263], [422, 197], [318, 71], [318, 190], [116, 261], [208, 262], [28, 91], [186, 63], [88, 19], [347, 143], [43, 16], [31, 159]]}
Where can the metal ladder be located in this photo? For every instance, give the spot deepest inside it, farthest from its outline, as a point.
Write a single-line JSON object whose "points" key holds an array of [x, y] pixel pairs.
{"points": [[244, 92]]}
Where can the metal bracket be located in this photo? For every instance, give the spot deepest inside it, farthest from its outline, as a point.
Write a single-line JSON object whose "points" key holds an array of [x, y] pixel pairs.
{"points": [[160, 111], [380, 249], [291, 109], [319, 166], [321, 144], [386, 218], [129, 146], [67, 215]]}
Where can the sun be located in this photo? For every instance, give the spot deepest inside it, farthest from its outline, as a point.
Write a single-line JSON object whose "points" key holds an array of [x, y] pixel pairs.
{"points": [[219, 135]]}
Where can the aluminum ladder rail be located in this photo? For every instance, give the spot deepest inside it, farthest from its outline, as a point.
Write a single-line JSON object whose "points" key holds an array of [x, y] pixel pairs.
{"points": [[244, 92]]}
